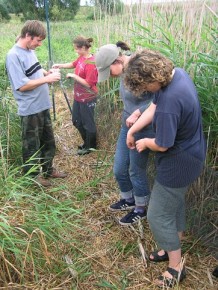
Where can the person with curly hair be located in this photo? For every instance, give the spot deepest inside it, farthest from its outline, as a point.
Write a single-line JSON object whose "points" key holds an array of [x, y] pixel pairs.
{"points": [[130, 166], [179, 143], [85, 92]]}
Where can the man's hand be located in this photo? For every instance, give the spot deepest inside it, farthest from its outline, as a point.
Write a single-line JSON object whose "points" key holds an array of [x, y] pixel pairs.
{"points": [[49, 78], [53, 77], [53, 70], [141, 145]]}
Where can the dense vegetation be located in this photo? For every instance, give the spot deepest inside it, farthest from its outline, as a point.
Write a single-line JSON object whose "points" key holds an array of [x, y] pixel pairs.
{"points": [[40, 229], [59, 10], [31, 9]]}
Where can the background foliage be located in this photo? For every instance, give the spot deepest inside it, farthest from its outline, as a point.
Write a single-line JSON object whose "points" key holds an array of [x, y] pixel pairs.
{"points": [[34, 9], [39, 228]]}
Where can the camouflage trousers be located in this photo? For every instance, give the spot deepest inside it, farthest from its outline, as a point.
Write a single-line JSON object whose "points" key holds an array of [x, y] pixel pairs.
{"points": [[38, 143]]}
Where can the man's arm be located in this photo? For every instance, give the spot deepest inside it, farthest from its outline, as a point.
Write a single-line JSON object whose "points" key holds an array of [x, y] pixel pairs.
{"points": [[32, 84]]}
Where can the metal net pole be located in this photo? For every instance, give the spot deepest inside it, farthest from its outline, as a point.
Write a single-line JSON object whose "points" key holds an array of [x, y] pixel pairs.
{"points": [[46, 6]]}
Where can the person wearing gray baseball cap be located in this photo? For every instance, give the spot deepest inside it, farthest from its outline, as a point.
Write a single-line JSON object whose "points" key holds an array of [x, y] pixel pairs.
{"points": [[129, 166], [105, 57]]}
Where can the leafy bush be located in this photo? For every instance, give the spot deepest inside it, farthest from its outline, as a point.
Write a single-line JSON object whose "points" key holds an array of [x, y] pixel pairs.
{"points": [[32, 9], [4, 12]]}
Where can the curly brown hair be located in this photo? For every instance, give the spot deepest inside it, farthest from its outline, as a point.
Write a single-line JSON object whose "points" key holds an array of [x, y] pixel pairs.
{"points": [[146, 67]]}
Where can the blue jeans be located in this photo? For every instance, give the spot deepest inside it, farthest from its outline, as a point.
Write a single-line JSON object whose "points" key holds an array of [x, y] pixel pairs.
{"points": [[130, 169]]}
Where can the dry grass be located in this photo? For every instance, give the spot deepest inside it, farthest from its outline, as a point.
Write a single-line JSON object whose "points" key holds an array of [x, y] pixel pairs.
{"points": [[107, 255], [108, 251]]}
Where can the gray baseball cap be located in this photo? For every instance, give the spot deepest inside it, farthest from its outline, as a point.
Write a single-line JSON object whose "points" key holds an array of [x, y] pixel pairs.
{"points": [[104, 58]]}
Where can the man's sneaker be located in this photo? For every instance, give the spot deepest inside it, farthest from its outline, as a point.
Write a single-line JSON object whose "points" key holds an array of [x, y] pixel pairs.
{"points": [[132, 217], [43, 181], [85, 151], [122, 205], [57, 174], [81, 146]]}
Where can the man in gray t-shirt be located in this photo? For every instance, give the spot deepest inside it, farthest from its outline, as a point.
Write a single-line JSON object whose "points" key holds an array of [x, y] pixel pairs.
{"points": [[29, 83]]}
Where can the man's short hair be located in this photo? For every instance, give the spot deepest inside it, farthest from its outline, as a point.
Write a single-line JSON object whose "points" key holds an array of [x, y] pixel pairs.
{"points": [[33, 28]]}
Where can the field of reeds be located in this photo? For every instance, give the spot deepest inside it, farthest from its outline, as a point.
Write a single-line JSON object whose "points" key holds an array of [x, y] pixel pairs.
{"points": [[65, 237]]}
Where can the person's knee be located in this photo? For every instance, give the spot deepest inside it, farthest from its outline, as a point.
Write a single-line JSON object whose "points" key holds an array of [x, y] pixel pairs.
{"points": [[119, 171], [151, 218], [116, 171], [155, 220]]}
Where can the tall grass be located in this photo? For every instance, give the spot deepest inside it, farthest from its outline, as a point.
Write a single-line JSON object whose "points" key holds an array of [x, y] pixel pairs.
{"points": [[186, 32], [32, 227], [32, 223]]}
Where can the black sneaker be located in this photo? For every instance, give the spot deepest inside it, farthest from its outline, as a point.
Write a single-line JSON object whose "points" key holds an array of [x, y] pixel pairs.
{"points": [[81, 146], [132, 217], [122, 205], [85, 151]]}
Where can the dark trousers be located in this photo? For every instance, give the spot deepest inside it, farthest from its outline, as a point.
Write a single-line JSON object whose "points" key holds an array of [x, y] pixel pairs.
{"points": [[38, 143], [83, 119]]}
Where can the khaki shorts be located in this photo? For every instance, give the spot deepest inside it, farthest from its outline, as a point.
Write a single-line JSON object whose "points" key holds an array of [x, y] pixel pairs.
{"points": [[166, 215]]}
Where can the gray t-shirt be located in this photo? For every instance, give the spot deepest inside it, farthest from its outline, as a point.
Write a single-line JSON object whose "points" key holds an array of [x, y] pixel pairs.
{"points": [[22, 66], [132, 103]]}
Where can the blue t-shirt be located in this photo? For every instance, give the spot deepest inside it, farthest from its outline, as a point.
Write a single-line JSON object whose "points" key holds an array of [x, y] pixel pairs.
{"points": [[178, 126], [22, 66]]}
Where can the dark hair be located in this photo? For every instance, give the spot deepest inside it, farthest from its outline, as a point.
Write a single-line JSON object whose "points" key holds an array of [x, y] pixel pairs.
{"points": [[122, 45], [81, 41], [146, 67], [33, 28]]}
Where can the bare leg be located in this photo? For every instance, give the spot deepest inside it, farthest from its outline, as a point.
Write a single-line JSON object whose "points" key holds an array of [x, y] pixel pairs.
{"points": [[174, 261], [162, 252]]}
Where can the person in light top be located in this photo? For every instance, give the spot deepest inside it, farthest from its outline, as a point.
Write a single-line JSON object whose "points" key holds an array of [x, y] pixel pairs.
{"points": [[29, 82]]}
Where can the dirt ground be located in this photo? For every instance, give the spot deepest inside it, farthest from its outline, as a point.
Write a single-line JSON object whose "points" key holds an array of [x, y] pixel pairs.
{"points": [[111, 256]]}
